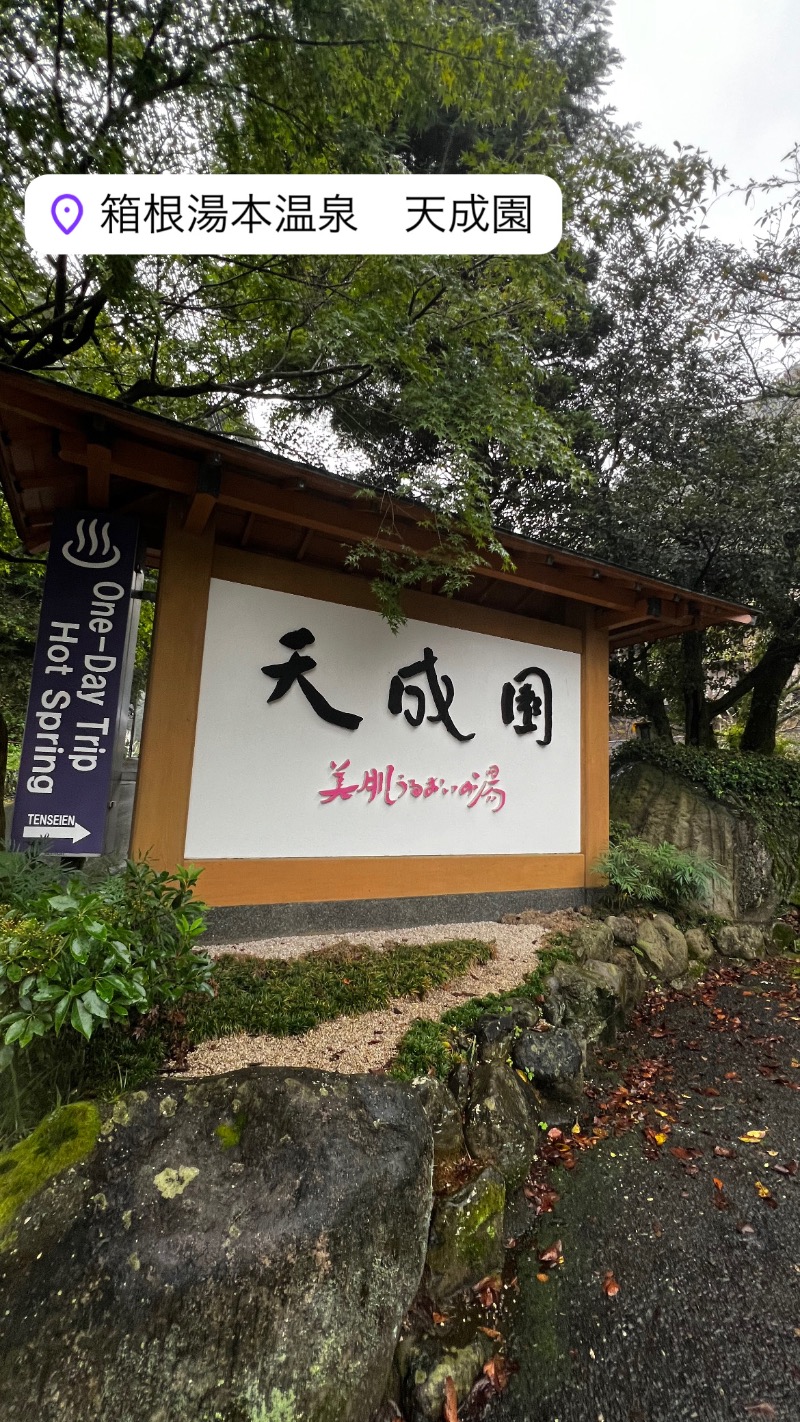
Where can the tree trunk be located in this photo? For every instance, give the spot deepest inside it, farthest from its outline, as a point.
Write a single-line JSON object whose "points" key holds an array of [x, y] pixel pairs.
{"points": [[774, 672], [3, 764], [698, 711], [648, 700]]}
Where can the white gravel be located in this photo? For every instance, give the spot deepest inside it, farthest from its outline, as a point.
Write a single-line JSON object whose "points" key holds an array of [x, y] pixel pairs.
{"points": [[368, 1043]]}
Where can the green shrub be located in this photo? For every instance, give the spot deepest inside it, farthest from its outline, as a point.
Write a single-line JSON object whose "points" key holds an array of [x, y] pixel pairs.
{"points": [[657, 876], [78, 958]]}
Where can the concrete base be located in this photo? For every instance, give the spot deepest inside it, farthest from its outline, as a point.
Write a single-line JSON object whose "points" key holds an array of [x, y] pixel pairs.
{"points": [[255, 921]]}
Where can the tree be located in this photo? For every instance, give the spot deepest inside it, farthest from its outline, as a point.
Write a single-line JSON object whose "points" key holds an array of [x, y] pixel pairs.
{"points": [[692, 472]]}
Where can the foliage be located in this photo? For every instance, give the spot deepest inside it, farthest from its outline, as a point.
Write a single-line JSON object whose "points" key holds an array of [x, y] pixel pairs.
{"points": [[765, 787], [77, 958], [21, 581], [434, 1048], [286, 997], [656, 876]]}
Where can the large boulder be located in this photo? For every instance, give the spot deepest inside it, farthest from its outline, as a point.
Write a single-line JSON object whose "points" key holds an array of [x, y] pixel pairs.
{"points": [[588, 997], [552, 1060], [741, 940], [425, 1362], [466, 1238], [500, 1124], [444, 1118], [663, 946], [593, 939], [240, 1247], [761, 869]]}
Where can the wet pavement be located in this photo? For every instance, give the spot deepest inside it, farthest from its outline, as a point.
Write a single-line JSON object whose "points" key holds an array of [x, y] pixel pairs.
{"points": [[678, 1299]]}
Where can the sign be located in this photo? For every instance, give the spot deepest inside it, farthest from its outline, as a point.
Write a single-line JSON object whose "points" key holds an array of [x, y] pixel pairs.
{"points": [[320, 734], [79, 672]]}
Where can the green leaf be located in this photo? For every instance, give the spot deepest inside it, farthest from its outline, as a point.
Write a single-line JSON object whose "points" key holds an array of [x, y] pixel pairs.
{"points": [[61, 1010], [63, 903], [81, 1019], [15, 1031], [95, 1005]]}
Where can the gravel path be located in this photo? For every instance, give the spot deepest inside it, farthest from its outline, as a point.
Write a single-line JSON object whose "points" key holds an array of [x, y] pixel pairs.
{"points": [[368, 1043]]}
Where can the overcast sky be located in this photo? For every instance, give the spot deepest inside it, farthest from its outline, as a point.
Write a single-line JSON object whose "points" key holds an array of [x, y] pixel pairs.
{"points": [[722, 74]]}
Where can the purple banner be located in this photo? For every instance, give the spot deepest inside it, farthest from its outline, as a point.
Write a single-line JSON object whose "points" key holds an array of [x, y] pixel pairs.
{"points": [[71, 728]]}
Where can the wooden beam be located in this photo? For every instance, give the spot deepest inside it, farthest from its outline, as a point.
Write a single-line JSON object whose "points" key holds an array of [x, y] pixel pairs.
{"points": [[165, 765], [205, 496], [98, 476], [594, 747]]}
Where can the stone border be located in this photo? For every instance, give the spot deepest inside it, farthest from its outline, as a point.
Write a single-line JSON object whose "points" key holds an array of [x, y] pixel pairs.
{"points": [[255, 921]]}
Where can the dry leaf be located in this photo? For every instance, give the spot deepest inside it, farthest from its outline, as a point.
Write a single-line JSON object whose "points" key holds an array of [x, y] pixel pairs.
{"points": [[450, 1413], [752, 1137], [725, 1152], [761, 1409], [488, 1290], [439, 1317], [497, 1371], [492, 1333], [549, 1258], [720, 1185], [543, 1278], [610, 1285]]}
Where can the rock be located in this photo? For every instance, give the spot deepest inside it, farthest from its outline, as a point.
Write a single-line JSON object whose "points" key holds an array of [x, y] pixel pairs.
{"points": [[623, 929], [500, 1128], [761, 869], [495, 1032], [634, 979], [552, 1060], [590, 996], [741, 940], [241, 1246], [425, 1363], [592, 940], [444, 1119], [664, 947], [458, 1082], [466, 1238], [698, 942], [784, 938]]}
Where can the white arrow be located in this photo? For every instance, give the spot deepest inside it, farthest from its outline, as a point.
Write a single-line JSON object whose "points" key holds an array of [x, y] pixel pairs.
{"points": [[73, 832]]}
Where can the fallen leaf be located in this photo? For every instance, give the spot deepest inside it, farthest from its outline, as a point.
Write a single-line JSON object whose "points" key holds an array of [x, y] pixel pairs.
{"points": [[610, 1285], [685, 1153], [492, 1333], [752, 1137], [720, 1184], [765, 1194], [549, 1258], [790, 1168], [450, 1413], [497, 1371], [488, 1290], [543, 1278], [706, 1090], [745, 1228], [761, 1409], [725, 1153], [439, 1317]]}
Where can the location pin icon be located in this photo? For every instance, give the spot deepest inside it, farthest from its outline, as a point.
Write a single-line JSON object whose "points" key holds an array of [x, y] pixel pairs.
{"points": [[67, 212]]}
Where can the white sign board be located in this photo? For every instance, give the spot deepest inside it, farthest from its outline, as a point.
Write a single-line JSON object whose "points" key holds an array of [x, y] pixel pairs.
{"points": [[320, 734]]}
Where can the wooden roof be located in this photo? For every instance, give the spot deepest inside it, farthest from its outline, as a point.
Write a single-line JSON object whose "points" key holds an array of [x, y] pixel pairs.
{"points": [[60, 448]]}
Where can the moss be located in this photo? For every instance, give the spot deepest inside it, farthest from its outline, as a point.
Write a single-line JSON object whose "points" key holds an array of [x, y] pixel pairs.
{"points": [[477, 1224], [229, 1133], [61, 1140]]}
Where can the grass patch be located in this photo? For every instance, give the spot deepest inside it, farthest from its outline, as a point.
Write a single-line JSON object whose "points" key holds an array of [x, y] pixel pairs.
{"points": [[433, 1048], [284, 998], [276, 997]]}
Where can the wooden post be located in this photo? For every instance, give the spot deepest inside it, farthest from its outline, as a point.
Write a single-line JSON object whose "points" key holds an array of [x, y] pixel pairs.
{"points": [[594, 737], [165, 764]]}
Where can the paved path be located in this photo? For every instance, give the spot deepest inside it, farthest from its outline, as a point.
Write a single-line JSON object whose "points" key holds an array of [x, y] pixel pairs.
{"points": [[706, 1324]]}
